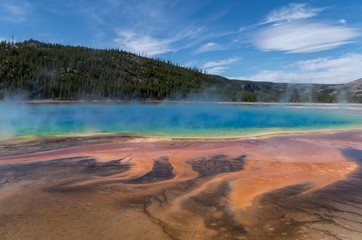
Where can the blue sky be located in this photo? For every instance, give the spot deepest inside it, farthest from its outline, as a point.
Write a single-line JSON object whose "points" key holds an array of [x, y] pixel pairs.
{"points": [[316, 41]]}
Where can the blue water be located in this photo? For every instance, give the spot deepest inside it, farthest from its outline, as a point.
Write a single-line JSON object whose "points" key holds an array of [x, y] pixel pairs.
{"points": [[178, 120]]}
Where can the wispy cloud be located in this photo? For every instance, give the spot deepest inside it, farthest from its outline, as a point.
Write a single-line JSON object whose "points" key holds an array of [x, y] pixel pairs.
{"points": [[294, 11], [219, 67], [217, 70], [221, 62], [148, 27], [301, 37], [320, 70], [143, 44], [342, 21], [291, 30], [14, 11], [208, 47]]}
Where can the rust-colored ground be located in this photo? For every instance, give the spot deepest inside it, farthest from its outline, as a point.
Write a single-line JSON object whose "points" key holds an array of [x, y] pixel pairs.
{"points": [[304, 186]]}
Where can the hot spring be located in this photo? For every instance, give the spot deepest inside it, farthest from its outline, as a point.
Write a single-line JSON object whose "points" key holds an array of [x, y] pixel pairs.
{"points": [[173, 120]]}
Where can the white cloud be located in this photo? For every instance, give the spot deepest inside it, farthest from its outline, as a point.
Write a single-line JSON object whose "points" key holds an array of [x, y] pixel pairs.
{"points": [[349, 62], [219, 66], [190, 64], [143, 44], [320, 70], [221, 62], [211, 46], [302, 37], [292, 33], [148, 27], [15, 12], [343, 21], [216, 70], [294, 11]]}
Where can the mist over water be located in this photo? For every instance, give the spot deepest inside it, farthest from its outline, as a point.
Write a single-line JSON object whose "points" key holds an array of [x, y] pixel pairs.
{"points": [[179, 120]]}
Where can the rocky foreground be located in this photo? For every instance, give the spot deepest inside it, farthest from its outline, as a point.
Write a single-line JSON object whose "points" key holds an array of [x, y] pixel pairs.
{"points": [[304, 186]]}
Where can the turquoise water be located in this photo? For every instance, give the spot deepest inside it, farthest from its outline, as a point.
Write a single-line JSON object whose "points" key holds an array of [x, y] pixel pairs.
{"points": [[178, 120]]}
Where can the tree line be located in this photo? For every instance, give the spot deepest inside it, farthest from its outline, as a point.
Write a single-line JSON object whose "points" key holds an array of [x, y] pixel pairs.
{"points": [[53, 71]]}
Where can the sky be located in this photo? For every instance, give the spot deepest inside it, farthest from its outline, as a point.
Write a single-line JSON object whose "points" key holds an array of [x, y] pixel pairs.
{"points": [[315, 41]]}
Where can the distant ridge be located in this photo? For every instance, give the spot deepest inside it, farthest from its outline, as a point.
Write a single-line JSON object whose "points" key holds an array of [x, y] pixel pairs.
{"points": [[39, 70], [352, 88]]}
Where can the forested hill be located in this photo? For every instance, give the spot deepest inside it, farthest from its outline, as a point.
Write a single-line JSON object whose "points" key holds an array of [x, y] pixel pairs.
{"points": [[52, 71]]}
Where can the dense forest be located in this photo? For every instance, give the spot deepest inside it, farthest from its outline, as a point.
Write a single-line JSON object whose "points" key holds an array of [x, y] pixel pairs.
{"points": [[52, 71]]}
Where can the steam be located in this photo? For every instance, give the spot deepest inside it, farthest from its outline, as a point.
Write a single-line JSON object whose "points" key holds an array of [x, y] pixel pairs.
{"points": [[167, 119]]}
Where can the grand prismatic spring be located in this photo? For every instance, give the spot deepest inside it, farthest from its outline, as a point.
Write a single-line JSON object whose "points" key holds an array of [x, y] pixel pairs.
{"points": [[180, 171]]}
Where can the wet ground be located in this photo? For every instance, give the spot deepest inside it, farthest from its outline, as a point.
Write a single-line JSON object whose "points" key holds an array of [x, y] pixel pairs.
{"points": [[305, 186]]}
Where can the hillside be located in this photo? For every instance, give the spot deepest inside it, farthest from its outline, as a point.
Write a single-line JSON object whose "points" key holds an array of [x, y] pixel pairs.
{"points": [[353, 88], [51, 71]]}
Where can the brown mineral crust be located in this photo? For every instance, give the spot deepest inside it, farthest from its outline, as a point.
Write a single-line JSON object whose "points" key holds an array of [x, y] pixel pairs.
{"points": [[142, 188]]}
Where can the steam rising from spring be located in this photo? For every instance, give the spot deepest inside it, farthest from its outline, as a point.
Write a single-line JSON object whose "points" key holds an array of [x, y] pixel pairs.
{"points": [[183, 120]]}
